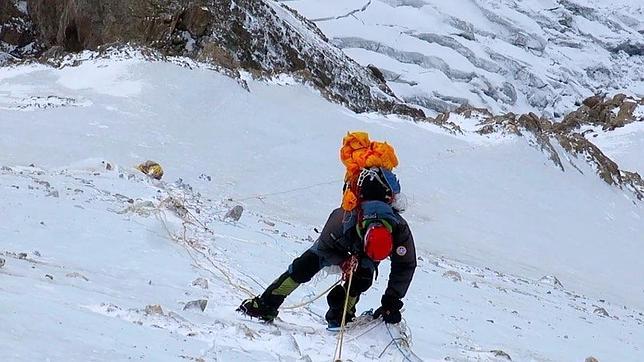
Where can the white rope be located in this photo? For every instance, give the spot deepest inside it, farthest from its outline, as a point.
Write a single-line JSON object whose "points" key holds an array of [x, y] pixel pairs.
{"points": [[188, 245], [288, 191], [353, 338], [161, 216], [320, 295]]}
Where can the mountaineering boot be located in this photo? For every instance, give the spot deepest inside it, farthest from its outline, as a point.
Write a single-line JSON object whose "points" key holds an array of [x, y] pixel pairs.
{"points": [[255, 307], [265, 306], [336, 299]]}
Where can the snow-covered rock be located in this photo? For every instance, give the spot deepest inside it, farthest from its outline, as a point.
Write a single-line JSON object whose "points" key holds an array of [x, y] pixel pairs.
{"points": [[503, 55]]}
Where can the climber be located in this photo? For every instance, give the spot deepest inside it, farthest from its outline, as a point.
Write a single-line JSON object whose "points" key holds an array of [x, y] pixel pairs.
{"points": [[358, 238]]}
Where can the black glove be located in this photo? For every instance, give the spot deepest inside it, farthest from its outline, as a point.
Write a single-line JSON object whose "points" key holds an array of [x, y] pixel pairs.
{"points": [[389, 310]]}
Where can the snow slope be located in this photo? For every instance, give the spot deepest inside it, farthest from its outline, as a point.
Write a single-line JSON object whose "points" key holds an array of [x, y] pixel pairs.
{"points": [[490, 215], [624, 145], [503, 55]]}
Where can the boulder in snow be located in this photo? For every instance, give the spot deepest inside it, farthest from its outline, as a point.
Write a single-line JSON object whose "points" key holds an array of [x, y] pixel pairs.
{"points": [[235, 213], [200, 282], [1, 262], [601, 311], [551, 280], [153, 309], [152, 169], [454, 275], [502, 354], [196, 304]]}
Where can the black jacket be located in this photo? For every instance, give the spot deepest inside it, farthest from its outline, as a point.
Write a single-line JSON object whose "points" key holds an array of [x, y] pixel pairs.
{"points": [[339, 239]]}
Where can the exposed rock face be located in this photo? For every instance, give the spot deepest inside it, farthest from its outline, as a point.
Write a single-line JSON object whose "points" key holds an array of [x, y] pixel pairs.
{"points": [[17, 34], [609, 113], [259, 36]]}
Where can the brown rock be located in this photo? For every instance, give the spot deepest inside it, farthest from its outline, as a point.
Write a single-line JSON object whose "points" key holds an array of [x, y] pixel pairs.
{"points": [[11, 36], [195, 20], [152, 169], [86, 24], [454, 275], [591, 102], [8, 11], [219, 55], [15, 28], [607, 169], [591, 359], [625, 114], [153, 309], [376, 73], [618, 99]]}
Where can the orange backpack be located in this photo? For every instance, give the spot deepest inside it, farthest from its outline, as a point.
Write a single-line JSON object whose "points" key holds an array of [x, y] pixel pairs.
{"points": [[359, 152]]}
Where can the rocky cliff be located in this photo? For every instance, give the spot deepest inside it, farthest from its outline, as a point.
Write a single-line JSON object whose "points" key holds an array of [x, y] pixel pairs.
{"points": [[17, 32], [258, 36]]}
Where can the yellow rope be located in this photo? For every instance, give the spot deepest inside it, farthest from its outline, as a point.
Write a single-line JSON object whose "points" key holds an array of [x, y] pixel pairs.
{"points": [[338, 347]]}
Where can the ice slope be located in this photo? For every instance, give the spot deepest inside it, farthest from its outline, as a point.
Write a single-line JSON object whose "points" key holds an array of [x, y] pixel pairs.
{"points": [[503, 55], [495, 204]]}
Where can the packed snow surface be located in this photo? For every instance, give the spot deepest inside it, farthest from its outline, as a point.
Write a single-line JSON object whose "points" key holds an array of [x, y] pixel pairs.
{"points": [[623, 145], [516, 257]]}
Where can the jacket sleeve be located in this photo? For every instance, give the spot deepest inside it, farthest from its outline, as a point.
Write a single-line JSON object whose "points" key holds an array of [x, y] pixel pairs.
{"points": [[403, 262], [332, 244]]}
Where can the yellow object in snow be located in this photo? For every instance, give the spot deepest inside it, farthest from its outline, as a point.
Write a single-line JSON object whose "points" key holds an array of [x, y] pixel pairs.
{"points": [[152, 169], [359, 152]]}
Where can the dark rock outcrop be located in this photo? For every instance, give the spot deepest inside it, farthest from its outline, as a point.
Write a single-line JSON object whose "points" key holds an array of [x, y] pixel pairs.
{"points": [[17, 33], [258, 36]]}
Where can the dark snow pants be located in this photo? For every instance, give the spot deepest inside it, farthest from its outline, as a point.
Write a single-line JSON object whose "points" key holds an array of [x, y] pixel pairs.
{"points": [[303, 269]]}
